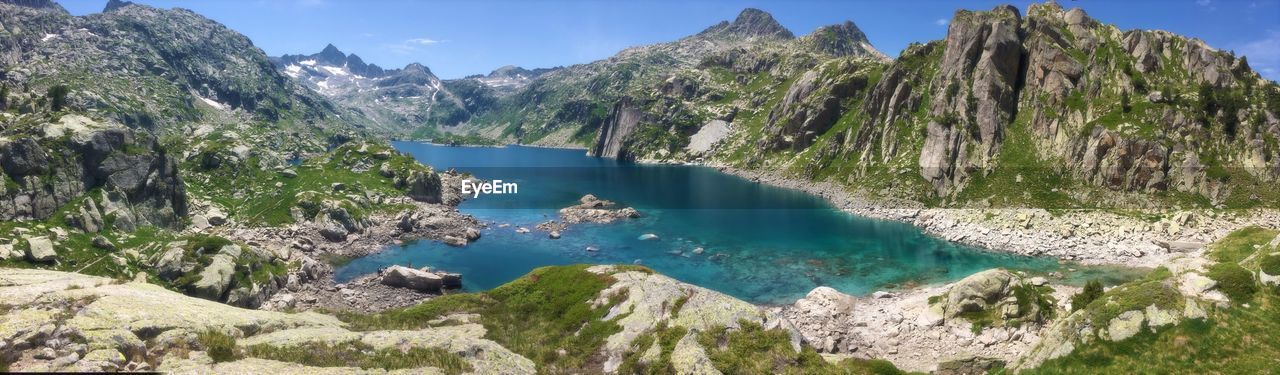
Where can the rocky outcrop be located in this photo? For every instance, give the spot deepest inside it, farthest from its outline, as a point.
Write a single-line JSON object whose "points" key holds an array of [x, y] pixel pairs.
{"points": [[138, 180], [650, 300], [223, 272], [89, 323], [622, 121], [979, 71], [811, 105], [595, 210]]}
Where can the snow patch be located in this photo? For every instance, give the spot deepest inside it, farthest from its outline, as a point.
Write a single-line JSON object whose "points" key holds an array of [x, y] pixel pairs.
{"points": [[47, 37], [308, 62], [335, 70], [213, 103], [293, 70]]}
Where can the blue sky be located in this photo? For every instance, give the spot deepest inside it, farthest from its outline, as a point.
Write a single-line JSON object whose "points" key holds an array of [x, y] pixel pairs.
{"points": [[458, 38]]}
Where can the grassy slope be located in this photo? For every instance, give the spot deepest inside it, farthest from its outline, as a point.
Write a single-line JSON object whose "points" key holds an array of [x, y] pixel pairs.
{"points": [[548, 310], [1236, 340]]}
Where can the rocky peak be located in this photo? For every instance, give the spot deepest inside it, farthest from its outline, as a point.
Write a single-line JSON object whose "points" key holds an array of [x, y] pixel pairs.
{"points": [[751, 22], [37, 4], [844, 39], [116, 4], [413, 74], [331, 56]]}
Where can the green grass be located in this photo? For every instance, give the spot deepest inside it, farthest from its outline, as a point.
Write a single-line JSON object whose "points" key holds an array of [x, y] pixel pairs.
{"points": [[1238, 245], [1270, 264], [534, 316], [1234, 281], [663, 336], [358, 354], [753, 350], [1238, 340], [219, 346], [249, 189], [1136, 295]]}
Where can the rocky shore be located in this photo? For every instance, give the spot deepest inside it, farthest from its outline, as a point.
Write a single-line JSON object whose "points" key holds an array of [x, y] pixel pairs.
{"points": [[1091, 237]]}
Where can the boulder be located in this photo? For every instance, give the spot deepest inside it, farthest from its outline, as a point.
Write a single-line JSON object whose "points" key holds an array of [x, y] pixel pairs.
{"points": [[978, 291], [40, 249], [334, 233], [424, 187], [450, 280], [825, 301], [6, 251], [1125, 325], [103, 243], [405, 277], [454, 241], [968, 365], [215, 278]]}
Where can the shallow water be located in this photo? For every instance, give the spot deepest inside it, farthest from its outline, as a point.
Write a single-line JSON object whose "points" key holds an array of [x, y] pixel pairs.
{"points": [[760, 243]]}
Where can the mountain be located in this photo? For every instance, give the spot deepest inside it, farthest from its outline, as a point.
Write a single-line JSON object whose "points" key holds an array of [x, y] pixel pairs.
{"points": [[509, 78], [1052, 109], [397, 101], [672, 88], [159, 70]]}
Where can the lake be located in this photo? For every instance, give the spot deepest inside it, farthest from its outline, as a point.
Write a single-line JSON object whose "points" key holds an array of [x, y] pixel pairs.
{"points": [[759, 243]]}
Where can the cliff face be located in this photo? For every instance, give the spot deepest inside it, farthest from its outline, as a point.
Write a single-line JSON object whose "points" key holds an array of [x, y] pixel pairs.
{"points": [[131, 180], [614, 133], [1057, 94]]}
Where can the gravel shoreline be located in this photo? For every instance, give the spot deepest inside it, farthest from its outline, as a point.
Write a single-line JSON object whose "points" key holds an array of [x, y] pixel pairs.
{"points": [[1090, 237]]}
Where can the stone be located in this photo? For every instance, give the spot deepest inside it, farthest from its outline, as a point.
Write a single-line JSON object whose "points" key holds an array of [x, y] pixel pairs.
{"points": [[215, 278], [1039, 281], [555, 235], [40, 249], [882, 294], [103, 243], [968, 366], [1195, 284], [450, 280], [825, 301], [1159, 318], [1125, 325], [215, 217], [334, 233], [46, 353], [405, 277], [6, 252], [289, 173], [978, 291], [454, 241], [169, 265]]}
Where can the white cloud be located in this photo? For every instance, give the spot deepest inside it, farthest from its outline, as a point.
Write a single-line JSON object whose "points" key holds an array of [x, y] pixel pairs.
{"points": [[411, 45], [1263, 54], [941, 22], [422, 41]]}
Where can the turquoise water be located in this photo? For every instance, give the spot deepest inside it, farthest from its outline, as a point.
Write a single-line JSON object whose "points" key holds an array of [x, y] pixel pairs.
{"points": [[761, 244]]}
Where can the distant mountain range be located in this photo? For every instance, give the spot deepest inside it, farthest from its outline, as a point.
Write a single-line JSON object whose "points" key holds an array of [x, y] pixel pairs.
{"points": [[1048, 109]]}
